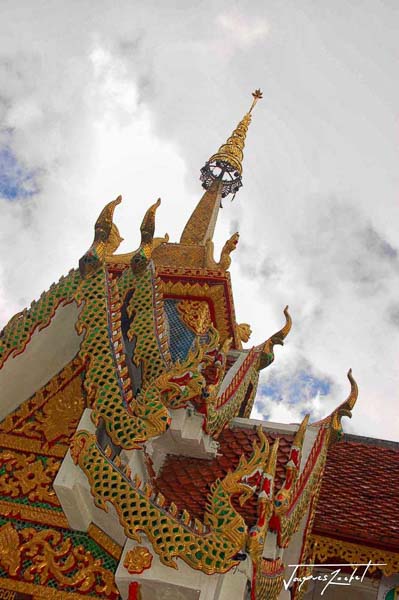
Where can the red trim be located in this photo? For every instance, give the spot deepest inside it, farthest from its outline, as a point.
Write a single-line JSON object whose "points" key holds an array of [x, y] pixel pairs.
{"points": [[237, 380], [13, 352], [134, 590], [308, 469]]}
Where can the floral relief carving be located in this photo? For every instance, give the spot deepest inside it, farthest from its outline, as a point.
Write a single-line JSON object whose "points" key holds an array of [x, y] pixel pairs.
{"points": [[137, 559], [28, 475], [41, 555], [58, 418]]}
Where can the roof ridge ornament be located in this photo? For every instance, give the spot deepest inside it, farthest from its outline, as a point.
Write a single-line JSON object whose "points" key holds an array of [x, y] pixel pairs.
{"points": [[333, 421], [226, 164], [266, 350], [142, 256], [106, 240]]}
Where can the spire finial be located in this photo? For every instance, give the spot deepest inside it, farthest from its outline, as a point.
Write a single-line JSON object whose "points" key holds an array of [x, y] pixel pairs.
{"points": [[226, 164], [257, 95]]}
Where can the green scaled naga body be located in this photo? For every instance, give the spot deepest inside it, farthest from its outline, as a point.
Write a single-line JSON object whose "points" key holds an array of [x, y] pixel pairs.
{"points": [[131, 419], [133, 383], [210, 546]]}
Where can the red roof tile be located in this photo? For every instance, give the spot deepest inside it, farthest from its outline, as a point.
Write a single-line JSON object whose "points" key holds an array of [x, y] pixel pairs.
{"points": [[359, 499], [186, 481]]}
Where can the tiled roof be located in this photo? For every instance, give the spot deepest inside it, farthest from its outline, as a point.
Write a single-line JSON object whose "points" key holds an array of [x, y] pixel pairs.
{"points": [[186, 481], [359, 499]]}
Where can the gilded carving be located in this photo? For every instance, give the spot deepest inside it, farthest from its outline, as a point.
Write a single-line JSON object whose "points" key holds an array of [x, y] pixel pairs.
{"points": [[106, 241], [213, 293], [333, 421], [138, 559], [284, 495], [266, 350], [47, 420], [323, 548], [103, 540], [225, 258], [268, 579], [58, 418], [244, 332], [10, 555], [303, 490], [222, 407], [38, 592], [212, 551], [36, 514], [257, 535], [41, 555], [196, 315], [232, 151], [28, 475]]}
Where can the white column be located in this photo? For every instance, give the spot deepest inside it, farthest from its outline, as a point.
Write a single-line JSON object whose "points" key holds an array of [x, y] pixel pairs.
{"points": [[165, 583]]}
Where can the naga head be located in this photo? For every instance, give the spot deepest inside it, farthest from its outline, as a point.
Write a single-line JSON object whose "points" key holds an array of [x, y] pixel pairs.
{"points": [[236, 482], [228, 248], [244, 332], [184, 381], [231, 243]]}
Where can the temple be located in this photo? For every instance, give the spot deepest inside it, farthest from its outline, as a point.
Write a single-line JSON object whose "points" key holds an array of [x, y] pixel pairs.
{"points": [[130, 467]]}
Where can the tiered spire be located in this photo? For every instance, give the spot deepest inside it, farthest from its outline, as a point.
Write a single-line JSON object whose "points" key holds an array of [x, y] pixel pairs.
{"points": [[226, 164], [220, 176]]}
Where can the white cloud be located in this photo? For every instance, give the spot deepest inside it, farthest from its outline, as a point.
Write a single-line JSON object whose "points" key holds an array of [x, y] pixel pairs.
{"points": [[132, 98], [245, 30]]}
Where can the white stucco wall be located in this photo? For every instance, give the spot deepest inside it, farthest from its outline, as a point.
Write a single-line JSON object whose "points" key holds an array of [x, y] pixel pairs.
{"points": [[23, 375]]}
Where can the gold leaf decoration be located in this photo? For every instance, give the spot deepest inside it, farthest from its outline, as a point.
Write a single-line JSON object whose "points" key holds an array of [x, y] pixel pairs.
{"points": [[138, 559], [9, 549], [46, 421], [41, 555], [324, 548], [28, 475], [196, 315]]}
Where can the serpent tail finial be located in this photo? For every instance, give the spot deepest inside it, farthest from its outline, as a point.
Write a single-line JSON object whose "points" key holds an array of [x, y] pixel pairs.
{"points": [[266, 356], [333, 421], [344, 409], [142, 256], [106, 240]]}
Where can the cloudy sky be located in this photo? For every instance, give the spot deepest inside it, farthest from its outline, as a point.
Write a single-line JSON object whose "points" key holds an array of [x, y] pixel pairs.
{"points": [[105, 98]]}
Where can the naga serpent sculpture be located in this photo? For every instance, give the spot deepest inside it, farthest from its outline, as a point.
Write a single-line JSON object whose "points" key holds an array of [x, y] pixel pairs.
{"points": [[210, 546], [130, 419]]}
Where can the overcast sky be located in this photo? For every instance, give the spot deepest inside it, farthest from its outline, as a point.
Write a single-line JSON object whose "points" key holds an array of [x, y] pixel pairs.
{"points": [[105, 98]]}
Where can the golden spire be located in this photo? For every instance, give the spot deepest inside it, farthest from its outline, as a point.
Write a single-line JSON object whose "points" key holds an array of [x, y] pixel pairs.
{"points": [[200, 227], [226, 164], [220, 177]]}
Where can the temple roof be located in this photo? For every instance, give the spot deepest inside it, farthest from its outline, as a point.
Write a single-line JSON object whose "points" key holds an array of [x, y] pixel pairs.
{"points": [[359, 498], [186, 481], [357, 501], [153, 332]]}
